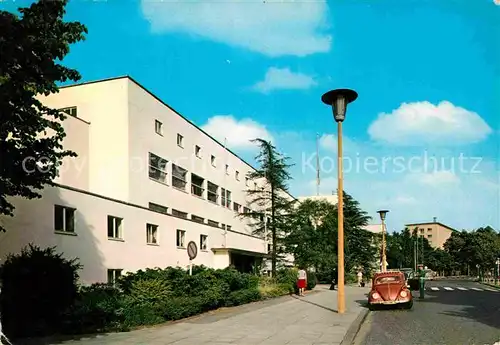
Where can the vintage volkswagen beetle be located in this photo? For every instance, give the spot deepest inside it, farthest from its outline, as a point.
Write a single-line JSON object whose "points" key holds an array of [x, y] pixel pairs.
{"points": [[390, 288]]}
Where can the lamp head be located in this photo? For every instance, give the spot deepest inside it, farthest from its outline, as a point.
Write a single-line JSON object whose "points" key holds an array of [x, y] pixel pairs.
{"points": [[338, 100], [382, 214]]}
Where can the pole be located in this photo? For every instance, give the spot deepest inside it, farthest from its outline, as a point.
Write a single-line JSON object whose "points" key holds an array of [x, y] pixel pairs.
{"points": [[190, 267], [340, 197], [384, 257], [414, 255], [317, 165]]}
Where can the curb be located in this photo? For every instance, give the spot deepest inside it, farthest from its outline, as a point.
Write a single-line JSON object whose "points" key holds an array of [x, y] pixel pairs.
{"points": [[355, 327], [490, 285]]}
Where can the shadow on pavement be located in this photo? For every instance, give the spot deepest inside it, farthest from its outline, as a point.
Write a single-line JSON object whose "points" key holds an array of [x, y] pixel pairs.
{"points": [[315, 304]]}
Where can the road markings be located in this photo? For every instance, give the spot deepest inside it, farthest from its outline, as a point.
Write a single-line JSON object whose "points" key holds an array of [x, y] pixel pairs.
{"points": [[448, 288], [462, 288], [434, 288], [476, 289], [492, 290]]}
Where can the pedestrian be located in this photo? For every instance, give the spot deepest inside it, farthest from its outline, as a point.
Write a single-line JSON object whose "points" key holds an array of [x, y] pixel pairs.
{"points": [[302, 281], [360, 279]]}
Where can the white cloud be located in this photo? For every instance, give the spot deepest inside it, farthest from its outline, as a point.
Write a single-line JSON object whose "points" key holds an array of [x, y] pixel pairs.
{"points": [[439, 178], [272, 27], [424, 123], [238, 133], [284, 79]]}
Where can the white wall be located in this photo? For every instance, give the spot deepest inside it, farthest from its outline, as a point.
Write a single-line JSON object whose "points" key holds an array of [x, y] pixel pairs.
{"points": [[34, 223]]}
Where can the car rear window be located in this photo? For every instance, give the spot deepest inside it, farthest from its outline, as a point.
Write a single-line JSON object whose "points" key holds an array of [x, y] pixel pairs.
{"points": [[387, 280]]}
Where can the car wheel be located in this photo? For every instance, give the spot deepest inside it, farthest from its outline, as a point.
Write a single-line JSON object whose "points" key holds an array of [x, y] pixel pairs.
{"points": [[371, 307]]}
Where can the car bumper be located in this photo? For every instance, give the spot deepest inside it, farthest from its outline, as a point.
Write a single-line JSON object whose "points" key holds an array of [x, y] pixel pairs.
{"points": [[390, 302]]}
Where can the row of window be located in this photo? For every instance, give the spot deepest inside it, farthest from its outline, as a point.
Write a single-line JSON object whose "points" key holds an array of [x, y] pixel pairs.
{"points": [[198, 152], [200, 187], [64, 221]]}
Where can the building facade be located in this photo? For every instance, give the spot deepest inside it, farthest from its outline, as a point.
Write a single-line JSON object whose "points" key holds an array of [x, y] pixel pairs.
{"points": [[436, 233], [146, 182]]}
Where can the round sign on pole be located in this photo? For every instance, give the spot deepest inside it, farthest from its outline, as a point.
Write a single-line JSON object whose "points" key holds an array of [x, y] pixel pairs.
{"points": [[192, 250]]}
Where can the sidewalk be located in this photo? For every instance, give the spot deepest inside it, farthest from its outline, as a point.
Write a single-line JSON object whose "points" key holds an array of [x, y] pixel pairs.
{"points": [[309, 320]]}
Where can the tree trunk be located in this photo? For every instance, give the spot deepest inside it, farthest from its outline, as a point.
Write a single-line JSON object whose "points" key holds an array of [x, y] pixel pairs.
{"points": [[273, 232]]}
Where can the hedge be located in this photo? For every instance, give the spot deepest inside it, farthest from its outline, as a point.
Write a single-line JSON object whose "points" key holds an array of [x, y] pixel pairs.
{"points": [[40, 295]]}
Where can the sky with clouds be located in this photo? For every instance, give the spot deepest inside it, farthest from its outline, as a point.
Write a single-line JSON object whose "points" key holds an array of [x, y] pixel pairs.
{"points": [[422, 140]]}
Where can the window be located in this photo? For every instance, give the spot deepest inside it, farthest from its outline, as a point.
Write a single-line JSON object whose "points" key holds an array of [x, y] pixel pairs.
{"points": [[113, 275], [228, 227], [158, 127], [203, 242], [70, 111], [255, 185], [227, 169], [197, 151], [179, 214], [212, 192], [269, 248], [158, 208], [151, 234], [223, 197], [197, 219], [247, 180], [237, 175], [429, 236], [64, 219], [212, 160], [228, 199], [246, 210], [237, 207], [197, 185], [429, 229], [421, 229], [180, 140], [181, 238], [213, 223], [179, 177], [114, 227], [157, 168]]}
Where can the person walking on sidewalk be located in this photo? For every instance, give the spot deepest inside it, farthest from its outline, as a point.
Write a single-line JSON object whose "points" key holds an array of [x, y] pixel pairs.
{"points": [[302, 281]]}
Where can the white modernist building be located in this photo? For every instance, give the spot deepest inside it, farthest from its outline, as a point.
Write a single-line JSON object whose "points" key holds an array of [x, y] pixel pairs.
{"points": [[146, 182]]}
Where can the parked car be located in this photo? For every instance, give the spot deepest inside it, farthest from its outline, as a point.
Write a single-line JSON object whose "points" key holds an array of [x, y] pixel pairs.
{"points": [[390, 288]]}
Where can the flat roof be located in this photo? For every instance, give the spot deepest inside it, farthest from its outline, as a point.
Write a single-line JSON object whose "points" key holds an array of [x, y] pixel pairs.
{"points": [[168, 106], [431, 223]]}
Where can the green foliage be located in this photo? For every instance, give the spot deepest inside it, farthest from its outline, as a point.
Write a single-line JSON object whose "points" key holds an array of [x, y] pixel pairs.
{"points": [[146, 297], [462, 251], [469, 249], [38, 286], [272, 201], [313, 238], [42, 32], [311, 280]]}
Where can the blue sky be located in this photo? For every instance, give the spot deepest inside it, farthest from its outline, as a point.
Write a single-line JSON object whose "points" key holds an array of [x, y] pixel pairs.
{"points": [[426, 73]]}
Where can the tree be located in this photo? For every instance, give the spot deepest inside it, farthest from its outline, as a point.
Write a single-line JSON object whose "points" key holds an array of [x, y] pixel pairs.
{"points": [[314, 236], [30, 46], [271, 198]]}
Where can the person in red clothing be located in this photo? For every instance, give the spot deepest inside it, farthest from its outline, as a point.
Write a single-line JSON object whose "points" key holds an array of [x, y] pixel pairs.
{"points": [[302, 281]]}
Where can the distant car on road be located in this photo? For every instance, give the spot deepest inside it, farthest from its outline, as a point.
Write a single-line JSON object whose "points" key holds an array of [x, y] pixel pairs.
{"points": [[390, 288]]}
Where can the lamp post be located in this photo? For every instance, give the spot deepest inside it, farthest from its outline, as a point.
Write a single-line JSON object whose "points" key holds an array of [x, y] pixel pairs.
{"points": [[382, 214], [497, 262], [338, 100]]}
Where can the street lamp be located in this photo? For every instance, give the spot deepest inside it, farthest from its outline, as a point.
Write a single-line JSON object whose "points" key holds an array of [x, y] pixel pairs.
{"points": [[497, 262], [338, 100], [382, 214]]}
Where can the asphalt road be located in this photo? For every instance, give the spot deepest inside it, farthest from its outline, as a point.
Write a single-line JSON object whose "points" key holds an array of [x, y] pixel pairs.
{"points": [[453, 312]]}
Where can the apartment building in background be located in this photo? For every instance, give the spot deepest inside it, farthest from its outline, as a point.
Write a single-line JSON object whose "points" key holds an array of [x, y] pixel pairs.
{"points": [[435, 232], [146, 182]]}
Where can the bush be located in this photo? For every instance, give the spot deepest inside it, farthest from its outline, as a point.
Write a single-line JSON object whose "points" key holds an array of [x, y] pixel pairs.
{"points": [[99, 308], [38, 286], [240, 297], [311, 280]]}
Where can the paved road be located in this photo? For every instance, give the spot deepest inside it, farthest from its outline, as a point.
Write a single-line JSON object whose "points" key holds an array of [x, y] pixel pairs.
{"points": [[453, 312]]}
